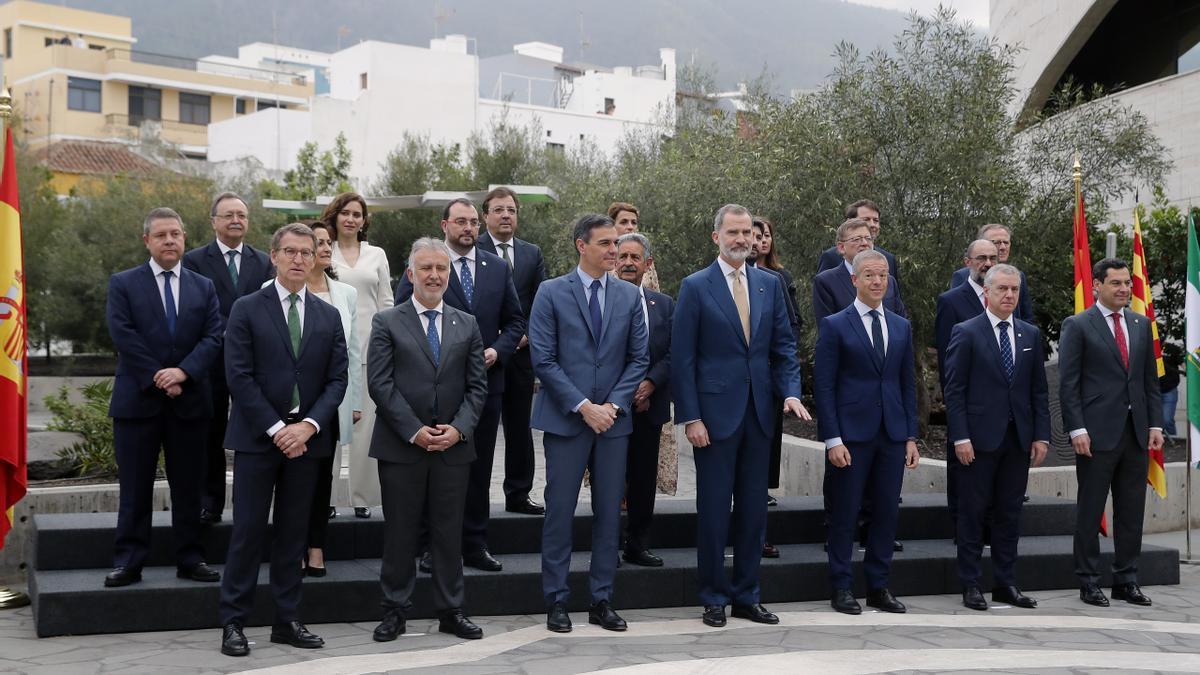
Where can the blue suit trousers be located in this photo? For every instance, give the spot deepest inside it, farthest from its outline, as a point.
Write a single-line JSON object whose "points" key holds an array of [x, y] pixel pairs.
{"points": [[876, 470]]}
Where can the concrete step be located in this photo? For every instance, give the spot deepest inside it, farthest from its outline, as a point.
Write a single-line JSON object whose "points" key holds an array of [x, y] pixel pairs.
{"points": [[85, 540], [74, 601]]}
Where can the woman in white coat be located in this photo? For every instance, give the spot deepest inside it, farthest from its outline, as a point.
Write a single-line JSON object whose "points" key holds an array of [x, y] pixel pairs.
{"points": [[365, 267]]}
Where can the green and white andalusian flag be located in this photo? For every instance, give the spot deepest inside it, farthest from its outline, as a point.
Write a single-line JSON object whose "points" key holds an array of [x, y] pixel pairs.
{"points": [[1193, 340]]}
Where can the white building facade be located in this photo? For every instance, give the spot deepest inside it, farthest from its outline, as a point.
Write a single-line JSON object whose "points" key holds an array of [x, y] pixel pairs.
{"points": [[379, 91]]}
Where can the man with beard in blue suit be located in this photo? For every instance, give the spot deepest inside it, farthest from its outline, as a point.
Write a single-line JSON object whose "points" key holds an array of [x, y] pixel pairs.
{"points": [[587, 334], [1001, 237], [998, 416], [733, 355], [867, 411]]}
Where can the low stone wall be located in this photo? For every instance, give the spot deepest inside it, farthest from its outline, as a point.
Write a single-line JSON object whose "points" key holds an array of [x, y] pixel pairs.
{"points": [[804, 465]]}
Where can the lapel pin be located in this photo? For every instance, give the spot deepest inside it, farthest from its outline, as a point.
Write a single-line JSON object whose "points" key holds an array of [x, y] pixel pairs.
{"points": [[483, 262], [1020, 335], [760, 290]]}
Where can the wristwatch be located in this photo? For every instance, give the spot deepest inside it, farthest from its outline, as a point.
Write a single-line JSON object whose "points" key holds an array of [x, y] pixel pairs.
{"points": [[619, 409]]}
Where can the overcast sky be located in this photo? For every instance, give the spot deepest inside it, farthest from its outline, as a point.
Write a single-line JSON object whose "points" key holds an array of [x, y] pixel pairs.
{"points": [[975, 11]]}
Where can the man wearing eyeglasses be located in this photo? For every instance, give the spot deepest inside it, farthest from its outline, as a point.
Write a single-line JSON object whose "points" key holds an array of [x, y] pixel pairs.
{"points": [[1001, 236], [868, 211], [236, 269], [833, 289], [500, 213], [481, 284], [286, 363], [956, 305]]}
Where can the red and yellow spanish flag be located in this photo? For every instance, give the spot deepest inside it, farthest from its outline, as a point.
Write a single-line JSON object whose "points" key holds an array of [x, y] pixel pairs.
{"points": [[13, 371], [1083, 260], [1143, 303]]}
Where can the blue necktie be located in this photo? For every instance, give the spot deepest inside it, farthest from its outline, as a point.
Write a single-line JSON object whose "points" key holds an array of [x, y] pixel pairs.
{"points": [[1006, 357], [468, 284], [877, 335], [435, 344], [169, 301], [594, 308]]}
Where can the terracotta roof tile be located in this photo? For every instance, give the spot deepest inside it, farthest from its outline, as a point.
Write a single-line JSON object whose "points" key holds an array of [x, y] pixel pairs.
{"points": [[90, 157]]}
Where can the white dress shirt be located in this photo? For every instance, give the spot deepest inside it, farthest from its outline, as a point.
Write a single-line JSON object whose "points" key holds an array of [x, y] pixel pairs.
{"points": [[285, 304], [978, 290], [237, 259], [159, 279]]}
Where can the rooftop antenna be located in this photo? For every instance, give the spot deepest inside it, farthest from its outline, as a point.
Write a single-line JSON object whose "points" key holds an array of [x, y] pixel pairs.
{"points": [[584, 42], [440, 16]]}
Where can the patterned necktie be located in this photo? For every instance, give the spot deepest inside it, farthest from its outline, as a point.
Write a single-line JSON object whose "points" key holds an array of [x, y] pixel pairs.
{"points": [[594, 309], [505, 254], [435, 343], [1006, 352], [169, 301], [294, 334], [1119, 333], [468, 284], [742, 302], [877, 336], [233, 271]]}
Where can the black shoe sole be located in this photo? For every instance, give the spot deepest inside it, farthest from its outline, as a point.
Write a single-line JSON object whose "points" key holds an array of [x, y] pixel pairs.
{"points": [[614, 628], [558, 629], [123, 582], [852, 611], [298, 645], [461, 636], [231, 652], [889, 610]]}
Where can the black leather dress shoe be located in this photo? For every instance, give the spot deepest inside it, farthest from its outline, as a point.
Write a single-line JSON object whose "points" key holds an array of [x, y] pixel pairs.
{"points": [[883, 600], [392, 626], [198, 572], [755, 613], [209, 517], [897, 547], [362, 512], [557, 619], [233, 640], [714, 615], [526, 506], [642, 557], [844, 602], [122, 576], [314, 571], [1092, 595], [482, 560], [771, 501], [770, 550], [295, 634], [457, 624], [973, 599], [332, 512], [1130, 593], [426, 563], [602, 615], [1011, 595]]}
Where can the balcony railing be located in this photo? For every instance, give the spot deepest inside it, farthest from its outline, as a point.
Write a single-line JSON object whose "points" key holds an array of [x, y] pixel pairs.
{"points": [[119, 120], [206, 67]]}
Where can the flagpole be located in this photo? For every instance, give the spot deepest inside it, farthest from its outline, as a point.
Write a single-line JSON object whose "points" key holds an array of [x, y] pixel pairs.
{"points": [[9, 598]]}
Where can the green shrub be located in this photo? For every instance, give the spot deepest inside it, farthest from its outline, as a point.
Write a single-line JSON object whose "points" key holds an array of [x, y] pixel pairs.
{"points": [[95, 455]]}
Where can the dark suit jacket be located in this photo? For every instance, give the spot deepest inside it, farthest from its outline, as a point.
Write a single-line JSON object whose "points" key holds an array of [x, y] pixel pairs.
{"points": [[573, 363], [833, 291], [660, 307], [496, 309], [1024, 310], [855, 395], [713, 370], [411, 392], [262, 371], [529, 267], [1095, 390], [830, 258], [137, 322], [979, 398], [255, 269], [953, 307], [792, 310]]}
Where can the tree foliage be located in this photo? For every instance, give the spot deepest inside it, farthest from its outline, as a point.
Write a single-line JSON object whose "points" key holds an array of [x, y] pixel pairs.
{"points": [[316, 173]]}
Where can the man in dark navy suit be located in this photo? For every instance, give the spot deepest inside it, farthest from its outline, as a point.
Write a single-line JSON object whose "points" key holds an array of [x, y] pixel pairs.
{"points": [[164, 324], [286, 364], [833, 289], [1001, 236], [481, 284], [863, 209], [998, 417], [500, 213], [953, 307], [651, 401], [236, 269], [733, 355], [864, 386]]}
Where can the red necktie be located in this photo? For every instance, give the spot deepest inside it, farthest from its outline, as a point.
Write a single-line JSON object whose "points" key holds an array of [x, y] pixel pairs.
{"points": [[1119, 333]]}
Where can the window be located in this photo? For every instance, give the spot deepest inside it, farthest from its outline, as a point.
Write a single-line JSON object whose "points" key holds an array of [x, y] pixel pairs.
{"points": [[144, 104], [264, 105], [239, 106], [194, 108], [83, 94], [362, 81], [556, 147]]}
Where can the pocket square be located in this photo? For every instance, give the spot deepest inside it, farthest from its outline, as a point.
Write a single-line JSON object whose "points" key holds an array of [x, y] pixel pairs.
{"points": [[1027, 349]]}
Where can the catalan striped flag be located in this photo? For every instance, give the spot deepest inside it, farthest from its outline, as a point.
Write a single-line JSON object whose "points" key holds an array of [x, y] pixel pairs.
{"points": [[13, 371], [1143, 303]]}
